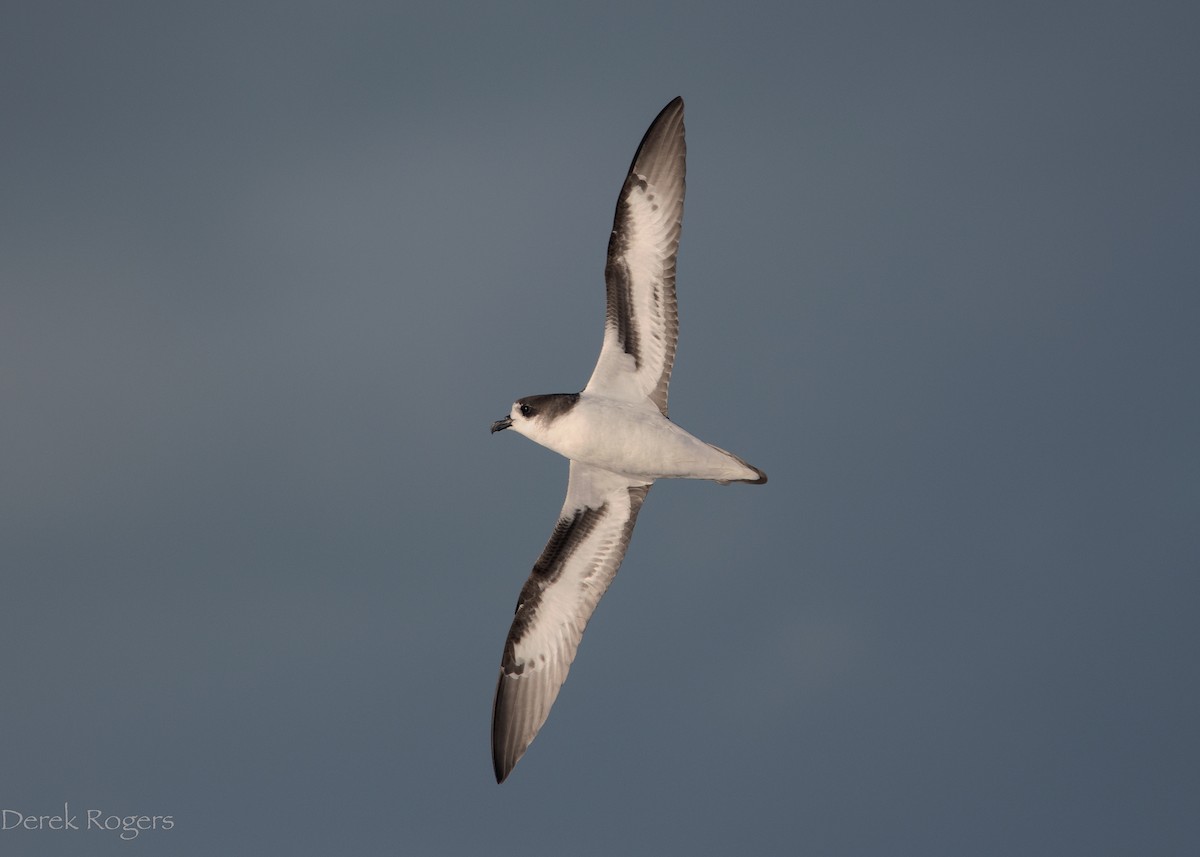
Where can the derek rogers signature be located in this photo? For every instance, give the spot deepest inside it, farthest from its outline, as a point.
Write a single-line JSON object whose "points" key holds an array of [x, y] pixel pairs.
{"points": [[129, 826]]}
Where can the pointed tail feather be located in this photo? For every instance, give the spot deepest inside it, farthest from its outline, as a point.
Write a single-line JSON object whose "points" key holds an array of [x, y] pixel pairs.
{"points": [[758, 479]]}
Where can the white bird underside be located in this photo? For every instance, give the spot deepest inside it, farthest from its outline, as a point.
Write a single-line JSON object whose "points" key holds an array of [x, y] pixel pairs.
{"points": [[617, 436]]}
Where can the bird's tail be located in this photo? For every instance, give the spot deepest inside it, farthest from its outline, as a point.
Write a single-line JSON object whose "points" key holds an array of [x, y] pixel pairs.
{"points": [[754, 477]]}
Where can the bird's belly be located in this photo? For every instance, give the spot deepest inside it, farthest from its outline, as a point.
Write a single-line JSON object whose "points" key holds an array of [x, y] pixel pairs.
{"points": [[638, 444]]}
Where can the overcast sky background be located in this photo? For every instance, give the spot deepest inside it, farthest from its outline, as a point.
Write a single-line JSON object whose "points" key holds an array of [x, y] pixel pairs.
{"points": [[269, 271]]}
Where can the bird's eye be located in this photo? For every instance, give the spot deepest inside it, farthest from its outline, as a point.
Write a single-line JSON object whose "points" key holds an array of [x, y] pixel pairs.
{"points": [[526, 410]]}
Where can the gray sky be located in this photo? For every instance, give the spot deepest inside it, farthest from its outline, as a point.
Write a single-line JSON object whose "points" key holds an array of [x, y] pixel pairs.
{"points": [[270, 270]]}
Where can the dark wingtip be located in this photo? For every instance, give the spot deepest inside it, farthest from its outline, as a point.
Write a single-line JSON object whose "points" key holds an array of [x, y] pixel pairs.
{"points": [[503, 759], [674, 107], [501, 766]]}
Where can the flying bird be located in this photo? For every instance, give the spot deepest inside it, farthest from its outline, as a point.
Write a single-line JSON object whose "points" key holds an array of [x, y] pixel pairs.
{"points": [[617, 436]]}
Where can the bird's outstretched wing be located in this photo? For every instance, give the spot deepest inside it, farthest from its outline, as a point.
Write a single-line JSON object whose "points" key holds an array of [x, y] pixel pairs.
{"points": [[641, 326], [575, 568]]}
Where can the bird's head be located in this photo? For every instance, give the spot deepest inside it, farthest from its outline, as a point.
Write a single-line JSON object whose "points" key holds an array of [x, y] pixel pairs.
{"points": [[532, 415]]}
